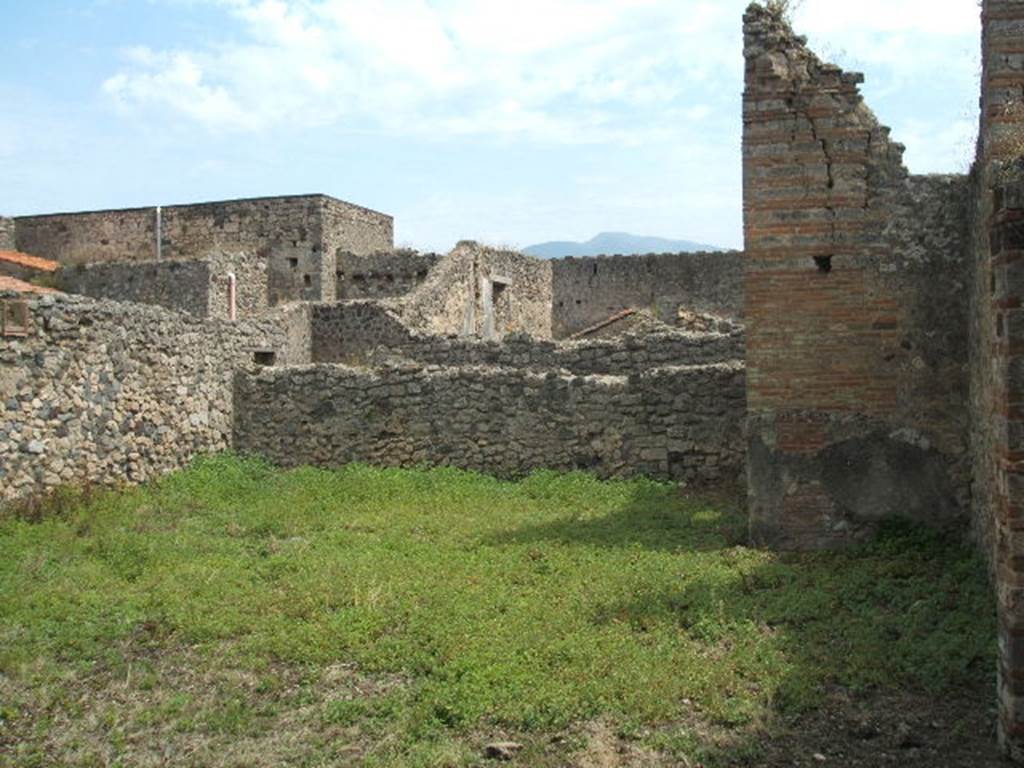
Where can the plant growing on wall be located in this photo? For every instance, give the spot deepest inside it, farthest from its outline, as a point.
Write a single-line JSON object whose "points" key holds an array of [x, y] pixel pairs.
{"points": [[783, 9]]}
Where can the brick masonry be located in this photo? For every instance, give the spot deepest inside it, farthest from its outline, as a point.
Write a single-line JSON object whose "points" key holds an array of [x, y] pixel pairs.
{"points": [[856, 309], [997, 345]]}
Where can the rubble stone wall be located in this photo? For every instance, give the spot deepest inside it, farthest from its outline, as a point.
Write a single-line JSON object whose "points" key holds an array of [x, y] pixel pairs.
{"points": [[588, 290], [112, 392], [681, 424]]}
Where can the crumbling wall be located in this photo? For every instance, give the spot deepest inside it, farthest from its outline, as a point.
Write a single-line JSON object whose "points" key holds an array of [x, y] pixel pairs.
{"points": [[458, 295], [109, 392], [588, 290], [997, 344], [366, 332], [7, 239], [681, 424], [179, 285], [382, 275], [856, 309]]}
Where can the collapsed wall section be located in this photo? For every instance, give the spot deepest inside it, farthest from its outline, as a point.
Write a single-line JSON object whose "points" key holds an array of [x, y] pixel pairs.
{"points": [[364, 332], [681, 424], [480, 291], [107, 392], [856, 308], [589, 290]]}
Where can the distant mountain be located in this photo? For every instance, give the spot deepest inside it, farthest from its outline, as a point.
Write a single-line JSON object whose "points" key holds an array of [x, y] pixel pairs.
{"points": [[616, 242]]}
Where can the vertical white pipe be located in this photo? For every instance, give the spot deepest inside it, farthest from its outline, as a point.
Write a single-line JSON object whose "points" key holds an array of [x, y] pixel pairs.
{"points": [[232, 305]]}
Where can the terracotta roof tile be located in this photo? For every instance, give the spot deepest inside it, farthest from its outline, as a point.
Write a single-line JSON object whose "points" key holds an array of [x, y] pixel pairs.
{"points": [[14, 284], [32, 262]]}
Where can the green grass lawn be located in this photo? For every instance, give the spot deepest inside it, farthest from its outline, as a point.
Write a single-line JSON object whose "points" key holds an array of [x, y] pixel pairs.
{"points": [[234, 614]]}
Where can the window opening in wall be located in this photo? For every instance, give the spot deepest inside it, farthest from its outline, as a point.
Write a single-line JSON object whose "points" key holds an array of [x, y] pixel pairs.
{"points": [[307, 280], [264, 358], [14, 318], [823, 263], [293, 262]]}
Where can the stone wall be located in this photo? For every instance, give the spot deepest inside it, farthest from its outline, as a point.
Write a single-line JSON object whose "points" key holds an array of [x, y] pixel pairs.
{"points": [[7, 238], [383, 274], [856, 290], [252, 288], [111, 392], [586, 291], [351, 229], [480, 291], [297, 237], [997, 346], [179, 285], [681, 424], [367, 332]]}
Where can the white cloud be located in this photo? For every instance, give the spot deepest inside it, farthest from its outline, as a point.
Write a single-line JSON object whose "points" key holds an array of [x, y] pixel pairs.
{"points": [[561, 70], [565, 71]]}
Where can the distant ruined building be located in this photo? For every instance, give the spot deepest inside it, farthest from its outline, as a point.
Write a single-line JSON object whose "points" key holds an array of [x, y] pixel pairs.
{"points": [[862, 358]]}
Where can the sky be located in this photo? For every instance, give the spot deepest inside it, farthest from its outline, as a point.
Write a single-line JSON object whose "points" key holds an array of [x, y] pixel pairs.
{"points": [[506, 122]]}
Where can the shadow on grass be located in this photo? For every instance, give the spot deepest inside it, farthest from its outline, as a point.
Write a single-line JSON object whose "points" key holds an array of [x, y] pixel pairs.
{"points": [[657, 517], [881, 653]]}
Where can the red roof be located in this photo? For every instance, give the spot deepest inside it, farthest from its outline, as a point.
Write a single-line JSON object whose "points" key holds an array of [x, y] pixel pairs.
{"points": [[14, 284], [32, 262]]}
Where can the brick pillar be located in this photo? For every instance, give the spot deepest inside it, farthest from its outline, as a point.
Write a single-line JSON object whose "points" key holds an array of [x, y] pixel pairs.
{"points": [[1007, 362], [999, 363], [818, 173]]}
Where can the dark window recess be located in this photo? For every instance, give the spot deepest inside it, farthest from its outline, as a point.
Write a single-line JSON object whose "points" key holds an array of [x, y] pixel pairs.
{"points": [[421, 274], [307, 280], [264, 358], [389, 278], [293, 262], [823, 263], [359, 278], [14, 318], [595, 269]]}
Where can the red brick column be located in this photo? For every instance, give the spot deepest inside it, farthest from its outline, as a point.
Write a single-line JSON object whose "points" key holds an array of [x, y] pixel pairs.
{"points": [[1007, 271]]}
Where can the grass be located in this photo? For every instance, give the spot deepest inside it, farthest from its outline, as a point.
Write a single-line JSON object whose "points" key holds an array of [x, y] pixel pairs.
{"points": [[239, 615]]}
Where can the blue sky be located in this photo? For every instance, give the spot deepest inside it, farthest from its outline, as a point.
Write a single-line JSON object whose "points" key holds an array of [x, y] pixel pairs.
{"points": [[510, 123]]}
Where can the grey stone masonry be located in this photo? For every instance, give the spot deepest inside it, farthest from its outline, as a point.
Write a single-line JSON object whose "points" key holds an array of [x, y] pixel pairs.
{"points": [[383, 274], [7, 239], [588, 290], [364, 332], [108, 392], [681, 423]]}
